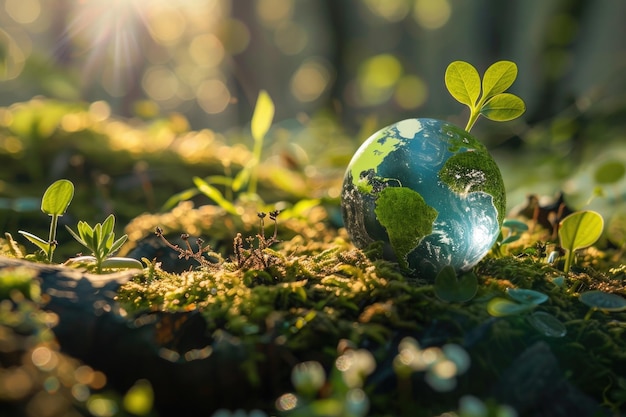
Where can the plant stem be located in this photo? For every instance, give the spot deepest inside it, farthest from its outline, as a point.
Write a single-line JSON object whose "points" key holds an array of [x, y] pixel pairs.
{"points": [[568, 261], [256, 154], [52, 236], [473, 117]]}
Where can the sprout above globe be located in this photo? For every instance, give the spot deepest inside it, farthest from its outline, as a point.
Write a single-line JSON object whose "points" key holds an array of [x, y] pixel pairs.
{"points": [[427, 189]]}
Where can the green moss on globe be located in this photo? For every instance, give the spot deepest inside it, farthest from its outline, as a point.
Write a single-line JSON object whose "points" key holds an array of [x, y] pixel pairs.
{"points": [[462, 175], [405, 232]]}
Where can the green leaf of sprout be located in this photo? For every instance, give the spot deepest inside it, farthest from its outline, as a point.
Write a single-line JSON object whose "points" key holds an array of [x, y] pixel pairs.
{"points": [[503, 107], [117, 244], [262, 116], [243, 176], [42, 244], [57, 197], [463, 82], [579, 230], [215, 195], [498, 78], [108, 225]]}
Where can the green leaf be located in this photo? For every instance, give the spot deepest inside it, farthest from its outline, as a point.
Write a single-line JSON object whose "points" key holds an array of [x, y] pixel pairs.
{"points": [[97, 240], [243, 176], [501, 307], [580, 230], [177, 198], [463, 82], [117, 244], [525, 296], [448, 287], [76, 236], [547, 324], [215, 195], [515, 225], [610, 172], [57, 197], [503, 107], [121, 262], [603, 301], [262, 116], [42, 244], [108, 225], [498, 78]]}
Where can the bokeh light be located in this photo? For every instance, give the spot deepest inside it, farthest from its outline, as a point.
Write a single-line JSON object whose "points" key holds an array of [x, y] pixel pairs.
{"points": [[432, 14]]}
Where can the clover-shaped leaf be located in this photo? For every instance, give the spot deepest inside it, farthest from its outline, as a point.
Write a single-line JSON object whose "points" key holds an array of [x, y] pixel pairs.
{"points": [[464, 84], [450, 288]]}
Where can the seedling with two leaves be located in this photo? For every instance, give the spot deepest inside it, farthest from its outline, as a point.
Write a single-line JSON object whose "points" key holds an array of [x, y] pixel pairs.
{"points": [[464, 84]]}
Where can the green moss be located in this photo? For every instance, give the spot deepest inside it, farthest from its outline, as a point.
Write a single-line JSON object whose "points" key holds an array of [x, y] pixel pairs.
{"points": [[396, 209], [474, 171], [459, 138]]}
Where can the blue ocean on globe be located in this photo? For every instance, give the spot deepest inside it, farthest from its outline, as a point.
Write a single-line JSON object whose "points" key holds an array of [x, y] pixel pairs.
{"points": [[429, 191]]}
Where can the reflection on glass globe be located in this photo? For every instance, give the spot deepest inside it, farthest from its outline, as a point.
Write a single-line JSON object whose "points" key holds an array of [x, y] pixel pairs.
{"points": [[429, 191]]}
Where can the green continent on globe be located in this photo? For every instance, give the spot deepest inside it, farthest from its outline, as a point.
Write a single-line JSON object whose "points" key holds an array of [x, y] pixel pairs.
{"points": [[474, 171], [406, 217]]}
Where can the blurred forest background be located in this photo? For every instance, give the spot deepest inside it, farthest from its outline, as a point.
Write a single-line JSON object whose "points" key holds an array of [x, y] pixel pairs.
{"points": [[358, 64]]}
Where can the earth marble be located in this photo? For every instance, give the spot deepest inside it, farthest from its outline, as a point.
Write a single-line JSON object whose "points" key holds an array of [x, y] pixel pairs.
{"points": [[429, 191]]}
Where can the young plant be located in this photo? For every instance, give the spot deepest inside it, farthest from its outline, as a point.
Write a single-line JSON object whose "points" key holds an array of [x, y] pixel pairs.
{"points": [[516, 229], [578, 231], [261, 122], [54, 203], [464, 84], [100, 240]]}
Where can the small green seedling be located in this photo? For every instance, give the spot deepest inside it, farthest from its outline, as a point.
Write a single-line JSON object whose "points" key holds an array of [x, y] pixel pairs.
{"points": [[578, 231], [54, 203], [100, 239], [464, 84], [453, 289], [515, 229], [261, 122]]}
